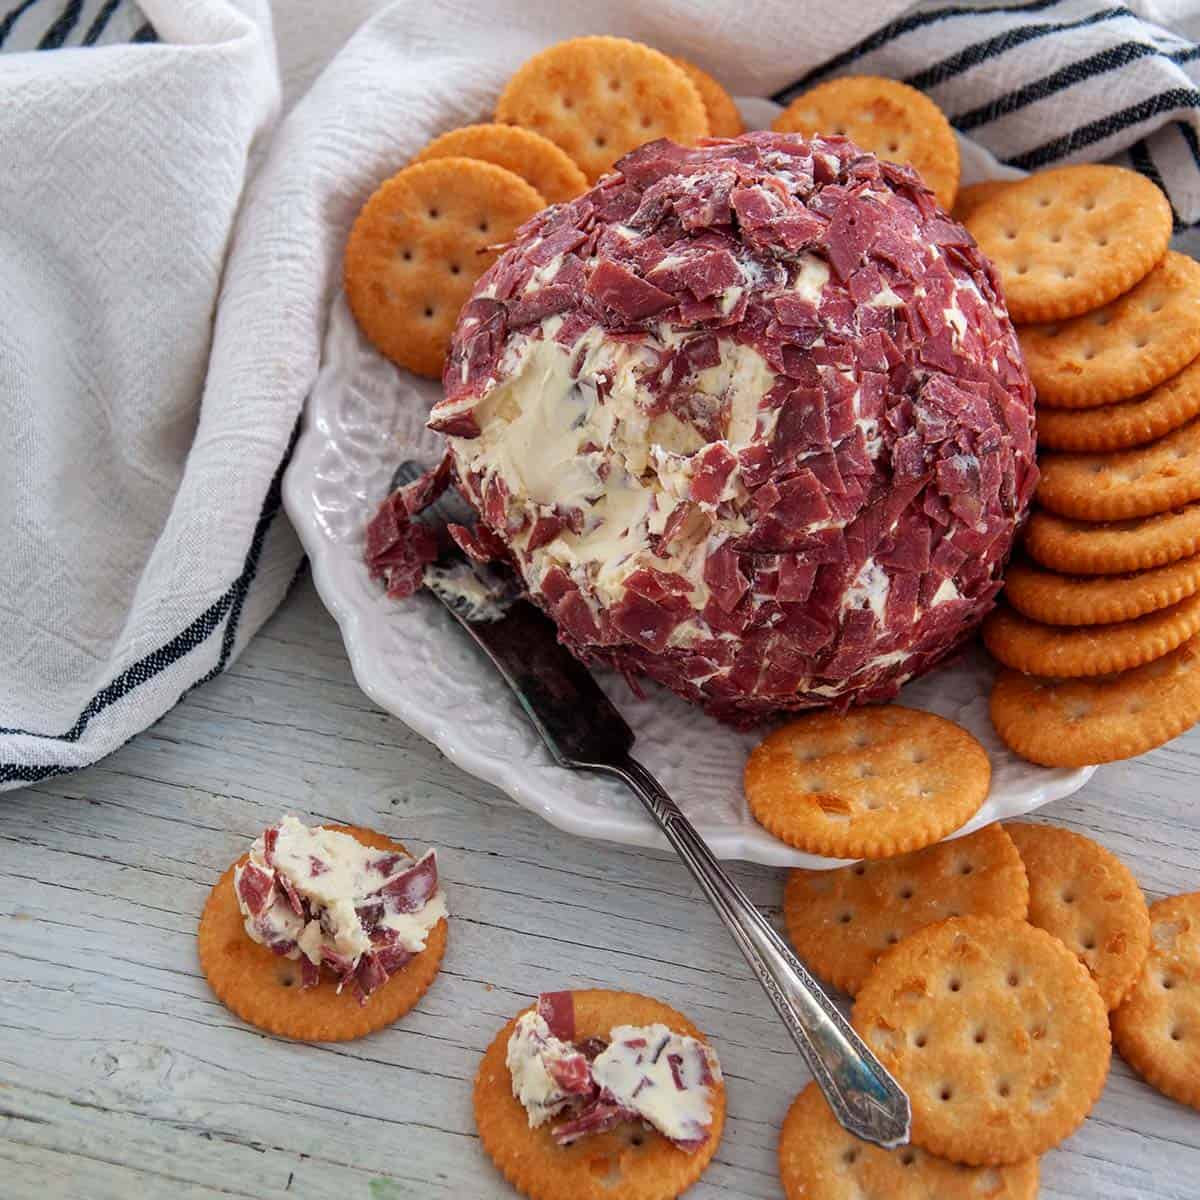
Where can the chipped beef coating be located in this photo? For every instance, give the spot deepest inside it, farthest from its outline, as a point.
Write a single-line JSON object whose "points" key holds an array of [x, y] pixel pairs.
{"points": [[750, 419]]}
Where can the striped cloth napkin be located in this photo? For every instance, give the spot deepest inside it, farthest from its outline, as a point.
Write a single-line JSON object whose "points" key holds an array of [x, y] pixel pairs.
{"points": [[170, 253]]}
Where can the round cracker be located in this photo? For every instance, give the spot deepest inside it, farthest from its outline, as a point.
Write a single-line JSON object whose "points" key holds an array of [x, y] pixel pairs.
{"points": [[1076, 722], [872, 783], [1125, 424], [819, 1160], [1157, 1028], [724, 120], [1070, 239], [537, 160], [600, 97], [1128, 346], [842, 921], [419, 246], [974, 195], [632, 1161], [890, 119], [1053, 651], [1097, 600], [996, 1032], [1087, 898], [1126, 483], [1115, 547], [263, 988]]}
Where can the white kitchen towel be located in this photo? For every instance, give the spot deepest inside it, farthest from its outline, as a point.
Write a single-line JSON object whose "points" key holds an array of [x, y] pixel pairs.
{"points": [[168, 255]]}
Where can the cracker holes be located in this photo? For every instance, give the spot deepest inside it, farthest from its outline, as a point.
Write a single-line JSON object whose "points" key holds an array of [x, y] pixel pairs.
{"points": [[1068, 272], [568, 102], [844, 918], [954, 984], [1089, 205], [917, 756], [1068, 896], [859, 869], [866, 771], [434, 213], [892, 938], [1056, 237], [850, 1155], [1102, 241], [966, 868], [646, 122], [1037, 1032], [429, 312], [1044, 201], [1011, 234], [893, 147], [1166, 982], [455, 269], [945, 1093], [908, 1157], [1003, 1089], [406, 254], [979, 1037], [1157, 306], [1088, 941], [484, 226], [1013, 979], [1023, 268], [614, 85], [906, 892], [600, 141], [1176, 1034], [921, 1041]]}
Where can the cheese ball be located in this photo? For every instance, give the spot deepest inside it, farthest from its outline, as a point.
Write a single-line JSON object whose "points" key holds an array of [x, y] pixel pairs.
{"points": [[749, 419]]}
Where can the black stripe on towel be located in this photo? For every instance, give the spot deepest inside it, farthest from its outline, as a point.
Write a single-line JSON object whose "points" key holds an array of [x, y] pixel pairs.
{"points": [[897, 28], [1111, 59], [66, 21], [96, 28], [1010, 39], [13, 17], [183, 643], [1097, 131]]}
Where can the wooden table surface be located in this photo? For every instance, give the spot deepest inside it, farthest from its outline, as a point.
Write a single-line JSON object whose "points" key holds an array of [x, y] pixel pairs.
{"points": [[121, 1075]]}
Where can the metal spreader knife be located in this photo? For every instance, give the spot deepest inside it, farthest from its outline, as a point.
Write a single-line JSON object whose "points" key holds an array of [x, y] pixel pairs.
{"points": [[584, 732]]}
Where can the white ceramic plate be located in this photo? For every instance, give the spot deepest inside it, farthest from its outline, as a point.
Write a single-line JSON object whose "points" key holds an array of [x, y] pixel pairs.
{"points": [[363, 418]]}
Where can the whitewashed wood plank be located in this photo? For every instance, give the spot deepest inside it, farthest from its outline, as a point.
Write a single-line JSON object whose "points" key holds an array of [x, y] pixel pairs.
{"points": [[155, 1087]]}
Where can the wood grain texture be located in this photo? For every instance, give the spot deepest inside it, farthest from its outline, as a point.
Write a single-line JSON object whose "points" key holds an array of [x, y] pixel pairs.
{"points": [[122, 1076]]}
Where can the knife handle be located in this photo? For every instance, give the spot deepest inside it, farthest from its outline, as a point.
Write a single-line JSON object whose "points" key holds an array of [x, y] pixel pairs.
{"points": [[863, 1095]]}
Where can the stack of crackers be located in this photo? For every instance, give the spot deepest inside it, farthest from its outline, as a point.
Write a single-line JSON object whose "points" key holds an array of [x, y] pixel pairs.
{"points": [[985, 973], [1098, 632]]}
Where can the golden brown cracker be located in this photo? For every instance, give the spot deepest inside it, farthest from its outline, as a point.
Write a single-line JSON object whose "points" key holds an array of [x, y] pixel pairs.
{"points": [[537, 160], [973, 196], [724, 120], [1157, 1028], [600, 97], [1126, 347], [1114, 547], [418, 247], [1075, 722], [1087, 898], [1056, 599], [1059, 652], [891, 119], [996, 1032], [1068, 240], [1126, 483], [872, 783], [840, 922], [632, 1161], [819, 1160], [1127, 423], [264, 989]]}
